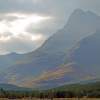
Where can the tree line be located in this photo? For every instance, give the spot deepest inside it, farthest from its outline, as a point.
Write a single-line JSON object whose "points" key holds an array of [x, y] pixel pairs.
{"points": [[52, 93]]}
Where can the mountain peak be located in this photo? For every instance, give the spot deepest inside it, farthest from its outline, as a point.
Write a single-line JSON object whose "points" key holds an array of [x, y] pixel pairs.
{"points": [[82, 12], [78, 11], [82, 23]]}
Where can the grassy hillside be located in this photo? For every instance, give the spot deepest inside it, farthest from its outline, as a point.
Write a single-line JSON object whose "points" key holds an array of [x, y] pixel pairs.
{"points": [[79, 87], [89, 90], [78, 90]]}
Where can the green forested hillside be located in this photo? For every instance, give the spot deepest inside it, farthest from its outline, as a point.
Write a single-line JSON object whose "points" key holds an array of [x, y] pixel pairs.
{"points": [[90, 90]]}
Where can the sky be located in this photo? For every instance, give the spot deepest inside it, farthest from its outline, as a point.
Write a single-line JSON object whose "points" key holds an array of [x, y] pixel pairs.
{"points": [[26, 24]]}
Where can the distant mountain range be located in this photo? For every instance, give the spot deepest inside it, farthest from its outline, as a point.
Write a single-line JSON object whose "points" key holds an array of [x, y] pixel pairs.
{"points": [[71, 55], [13, 87]]}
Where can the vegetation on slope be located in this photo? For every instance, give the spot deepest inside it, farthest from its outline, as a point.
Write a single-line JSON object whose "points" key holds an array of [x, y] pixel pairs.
{"points": [[90, 90]]}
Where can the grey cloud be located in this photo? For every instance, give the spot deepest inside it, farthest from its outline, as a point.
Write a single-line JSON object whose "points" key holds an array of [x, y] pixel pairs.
{"points": [[19, 45], [5, 34], [47, 28], [7, 18], [52, 7], [15, 5], [58, 8]]}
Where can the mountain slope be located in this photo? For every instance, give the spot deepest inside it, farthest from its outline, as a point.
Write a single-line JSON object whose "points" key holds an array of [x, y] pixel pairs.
{"points": [[8, 60], [80, 87], [87, 55], [13, 87], [84, 65]]}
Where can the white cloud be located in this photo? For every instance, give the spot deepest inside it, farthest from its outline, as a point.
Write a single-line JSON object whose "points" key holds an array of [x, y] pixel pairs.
{"points": [[20, 25], [20, 43], [14, 34]]}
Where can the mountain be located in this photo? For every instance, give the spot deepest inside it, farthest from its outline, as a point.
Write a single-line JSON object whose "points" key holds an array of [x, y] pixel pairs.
{"points": [[78, 88], [11, 59], [7, 60], [55, 62], [82, 24], [13, 87], [87, 54], [83, 66]]}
